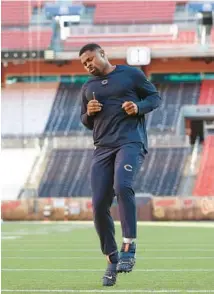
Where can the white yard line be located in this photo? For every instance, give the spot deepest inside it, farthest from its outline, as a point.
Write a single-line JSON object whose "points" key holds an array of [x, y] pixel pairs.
{"points": [[31, 242], [110, 291], [21, 241], [101, 270], [10, 237], [97, 250], [101, 257], [196, 224]]}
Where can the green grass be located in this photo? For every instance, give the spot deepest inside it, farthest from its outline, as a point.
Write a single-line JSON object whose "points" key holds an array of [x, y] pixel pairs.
{"points": [[57, 256]]}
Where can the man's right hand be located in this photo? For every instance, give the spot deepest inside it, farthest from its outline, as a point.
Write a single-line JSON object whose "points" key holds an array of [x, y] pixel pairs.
{"points": [[93, 107]]}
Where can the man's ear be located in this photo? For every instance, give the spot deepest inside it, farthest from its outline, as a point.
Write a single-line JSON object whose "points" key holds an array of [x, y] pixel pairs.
{"points": [[102, 53]]}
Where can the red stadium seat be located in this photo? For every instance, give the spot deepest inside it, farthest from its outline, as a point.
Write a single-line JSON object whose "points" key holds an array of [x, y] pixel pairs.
{"points": [[207, 92], [204, 185], [16, 12], [110, 40], [18, 39], [19, 12], [134, 12]]}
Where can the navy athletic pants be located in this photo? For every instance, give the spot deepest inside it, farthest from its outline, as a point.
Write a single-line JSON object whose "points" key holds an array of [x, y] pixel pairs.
{"points": [[113, 172]]}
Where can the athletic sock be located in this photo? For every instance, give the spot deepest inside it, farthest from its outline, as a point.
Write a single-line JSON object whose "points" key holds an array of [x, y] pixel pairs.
{"points": [[128, 240], [113, 258]]}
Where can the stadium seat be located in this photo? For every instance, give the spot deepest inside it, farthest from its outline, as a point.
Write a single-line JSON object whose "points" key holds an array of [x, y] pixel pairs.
{"points": [[109, 40], [134, 12], [33, 40], [16, 12], [65, 114], [68, 173], [207, 92], [204, 185], [174, 96]]}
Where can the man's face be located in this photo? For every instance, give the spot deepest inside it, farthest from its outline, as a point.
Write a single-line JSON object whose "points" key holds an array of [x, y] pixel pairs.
{"points": [[94, 62]]}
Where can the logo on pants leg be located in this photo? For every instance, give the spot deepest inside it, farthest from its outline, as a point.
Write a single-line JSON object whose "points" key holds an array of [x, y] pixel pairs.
{"points": [[128, 167]]}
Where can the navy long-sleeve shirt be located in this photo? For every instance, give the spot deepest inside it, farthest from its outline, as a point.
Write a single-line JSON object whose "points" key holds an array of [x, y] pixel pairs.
{"points": [[112, 126]]}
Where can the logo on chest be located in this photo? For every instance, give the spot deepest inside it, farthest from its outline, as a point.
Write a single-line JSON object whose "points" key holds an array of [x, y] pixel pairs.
{"points": [[104, 82]]}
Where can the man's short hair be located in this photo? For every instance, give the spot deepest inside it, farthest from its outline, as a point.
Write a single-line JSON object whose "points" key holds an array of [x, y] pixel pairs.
{"points": [[89, 47]]}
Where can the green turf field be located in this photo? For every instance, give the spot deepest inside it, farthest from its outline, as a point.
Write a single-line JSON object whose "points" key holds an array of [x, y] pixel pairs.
{"points": [[65, 258]]}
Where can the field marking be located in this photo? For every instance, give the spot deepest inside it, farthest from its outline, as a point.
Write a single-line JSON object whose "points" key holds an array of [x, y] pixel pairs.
{"points": [[101, 270], [22, 241], [140, 244], [101, 257], [97, 250], [110, 291], [196, 224], [10, 237]]}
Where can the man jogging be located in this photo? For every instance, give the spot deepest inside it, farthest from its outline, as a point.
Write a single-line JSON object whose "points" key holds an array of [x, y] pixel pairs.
{"points": [[114, 102]]}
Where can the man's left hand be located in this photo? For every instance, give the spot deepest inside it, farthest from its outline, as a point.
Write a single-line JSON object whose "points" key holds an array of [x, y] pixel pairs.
{"points": [[130, 107]]}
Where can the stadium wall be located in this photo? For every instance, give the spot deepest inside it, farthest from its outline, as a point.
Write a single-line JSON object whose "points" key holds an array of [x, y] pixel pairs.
{"points": [[165, 65], [156, 208]]}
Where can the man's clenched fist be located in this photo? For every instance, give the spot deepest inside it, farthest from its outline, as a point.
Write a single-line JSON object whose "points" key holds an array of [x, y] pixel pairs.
{"points": [[130, 107], [93, 106]]}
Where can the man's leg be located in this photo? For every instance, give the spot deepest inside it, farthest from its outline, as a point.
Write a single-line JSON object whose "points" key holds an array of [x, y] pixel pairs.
{"points": [[128, 161], [102, 174]]}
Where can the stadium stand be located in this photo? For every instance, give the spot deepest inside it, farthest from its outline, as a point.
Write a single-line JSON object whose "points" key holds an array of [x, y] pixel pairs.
{"points": [[134, 12], [67, 173], [204, 185], [76, 41], [65, 114], [55, 111], [16, 165], [25, 108], [19, 13], [20, 39], [207, 92], [174, 96], [16, 13]]}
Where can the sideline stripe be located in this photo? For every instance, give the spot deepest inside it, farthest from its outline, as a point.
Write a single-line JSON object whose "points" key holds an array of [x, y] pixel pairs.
{"points": [[110, 291], [101, 270], [97, 250], [196, 224], [101, 257]]}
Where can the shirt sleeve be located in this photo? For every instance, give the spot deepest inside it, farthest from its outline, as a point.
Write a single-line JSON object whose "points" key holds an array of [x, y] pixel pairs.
{"points": [[150, 98], [87, 121]]}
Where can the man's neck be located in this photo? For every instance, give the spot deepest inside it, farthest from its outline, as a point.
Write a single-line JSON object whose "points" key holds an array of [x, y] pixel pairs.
{"points": [[109, 68]]}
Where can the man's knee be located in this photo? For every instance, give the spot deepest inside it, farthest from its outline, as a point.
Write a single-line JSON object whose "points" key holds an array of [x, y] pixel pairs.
{"points": [[100, 207], [122, 189]]}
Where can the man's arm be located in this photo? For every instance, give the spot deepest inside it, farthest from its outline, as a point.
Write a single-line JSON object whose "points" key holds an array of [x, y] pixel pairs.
{"points": [[148, 94], [87, 121]]}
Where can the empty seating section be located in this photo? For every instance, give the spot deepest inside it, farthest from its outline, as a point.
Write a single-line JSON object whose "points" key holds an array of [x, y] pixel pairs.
{"points": [[76, 41], [68, 173], [204, 185], [16, 166], [32, 40], [134, 12], [25, 108], [16, 12], [174, 96], [65, 113], [161, 172], [207, 92]]}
